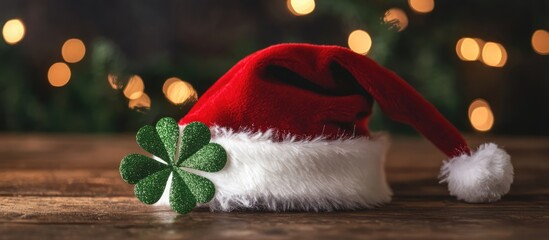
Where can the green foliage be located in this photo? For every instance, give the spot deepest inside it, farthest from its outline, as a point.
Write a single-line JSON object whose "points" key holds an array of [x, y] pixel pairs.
{"points": [[200, 54]]}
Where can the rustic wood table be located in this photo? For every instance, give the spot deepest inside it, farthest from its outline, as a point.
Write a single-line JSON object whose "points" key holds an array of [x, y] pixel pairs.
{"points": [[68, 187]]}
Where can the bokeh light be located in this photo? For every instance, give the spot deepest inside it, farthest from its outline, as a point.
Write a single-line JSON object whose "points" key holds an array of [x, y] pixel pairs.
{"points": [[540, 42], [13, 31], [480, 115], [479, 102], [468, 49], [143, 102], [300, 7], [135, 87], [59, 74], [167, 84], [114, 81], [397, 18], [422, 6], [503, 60], [73, 50], [360, 41], [494, 54], [179, 92]]}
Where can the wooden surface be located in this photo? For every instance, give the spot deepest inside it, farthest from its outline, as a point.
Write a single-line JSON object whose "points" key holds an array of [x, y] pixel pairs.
{"points": [[68, 187]]}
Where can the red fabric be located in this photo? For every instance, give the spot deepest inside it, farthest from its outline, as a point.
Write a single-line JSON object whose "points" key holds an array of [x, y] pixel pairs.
{"points": [[309, 91]]}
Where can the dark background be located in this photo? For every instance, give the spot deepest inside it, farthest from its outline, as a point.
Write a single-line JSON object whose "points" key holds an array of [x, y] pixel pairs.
{"points": [[200, 40]]}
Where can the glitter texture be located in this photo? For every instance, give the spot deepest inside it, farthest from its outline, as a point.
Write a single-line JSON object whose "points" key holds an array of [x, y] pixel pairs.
{"points": [[150, 176], [168, 130], [150, 189], [181, 197], [148, 139], [135, 167], [210, 158], [195, 136], [202, 188]]}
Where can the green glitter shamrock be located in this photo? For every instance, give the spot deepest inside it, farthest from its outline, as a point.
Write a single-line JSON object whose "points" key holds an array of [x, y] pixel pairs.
{"points": [[192, 149]]}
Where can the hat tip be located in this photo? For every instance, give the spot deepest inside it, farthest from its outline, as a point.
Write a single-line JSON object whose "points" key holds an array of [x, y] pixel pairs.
{"points": [[482, 176]]}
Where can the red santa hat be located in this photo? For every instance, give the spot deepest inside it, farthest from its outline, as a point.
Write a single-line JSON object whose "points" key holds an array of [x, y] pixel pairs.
{"points": [[293, 120]]}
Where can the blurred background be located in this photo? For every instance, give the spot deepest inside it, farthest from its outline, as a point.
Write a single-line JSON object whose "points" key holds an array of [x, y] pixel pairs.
{"points": [[113, 66]]}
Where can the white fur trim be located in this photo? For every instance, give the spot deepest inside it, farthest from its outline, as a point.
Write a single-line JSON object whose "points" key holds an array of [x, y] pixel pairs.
{"points": [[483, 176], [317, 174]]}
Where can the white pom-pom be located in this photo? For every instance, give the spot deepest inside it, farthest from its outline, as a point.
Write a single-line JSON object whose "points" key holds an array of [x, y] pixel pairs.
{"points": [[483, 176]]}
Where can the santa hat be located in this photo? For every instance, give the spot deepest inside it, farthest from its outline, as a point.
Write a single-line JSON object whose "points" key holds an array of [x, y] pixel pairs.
{"points": [[293, 121]]}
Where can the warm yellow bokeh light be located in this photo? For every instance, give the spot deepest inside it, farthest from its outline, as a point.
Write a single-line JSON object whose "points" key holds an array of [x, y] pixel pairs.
{"points": [[13, 31], [479, 102], [540, 42], [73, 50], [503, 60], [360, 41], [480, 115], [168, 83], [422, 6], [180, 92], [143, 102], [135, 87], [396, 17], [59, 74], [468, 49], [494, 54], [301, 7], [482, 119], [114, 82]]}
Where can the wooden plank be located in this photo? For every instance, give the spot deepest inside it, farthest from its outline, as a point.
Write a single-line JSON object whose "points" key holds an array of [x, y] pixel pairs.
{"points": [[68, 187], [65, 151], [63, 182], [416, 218], [93, 182]]}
